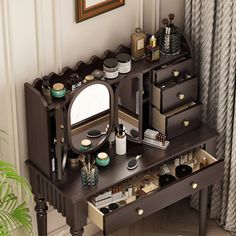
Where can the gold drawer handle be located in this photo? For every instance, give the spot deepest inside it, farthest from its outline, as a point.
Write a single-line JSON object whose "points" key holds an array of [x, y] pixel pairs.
{"points": [[175, 73], [140, 211], [186, 123], [180, 96], [194, 185]]}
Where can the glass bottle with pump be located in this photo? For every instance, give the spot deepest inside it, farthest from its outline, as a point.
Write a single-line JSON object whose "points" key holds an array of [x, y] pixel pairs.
{"points": [[121, 141]]}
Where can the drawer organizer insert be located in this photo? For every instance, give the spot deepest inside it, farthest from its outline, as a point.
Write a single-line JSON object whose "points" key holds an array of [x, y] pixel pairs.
{"points": [[133, 199]]}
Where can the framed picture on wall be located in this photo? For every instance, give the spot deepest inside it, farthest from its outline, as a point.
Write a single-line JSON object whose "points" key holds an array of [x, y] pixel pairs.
{"points": [[86, 9]]}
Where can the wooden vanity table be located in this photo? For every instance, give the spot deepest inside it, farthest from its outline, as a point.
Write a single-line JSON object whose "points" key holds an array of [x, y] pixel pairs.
{"points": [[63, 188]]}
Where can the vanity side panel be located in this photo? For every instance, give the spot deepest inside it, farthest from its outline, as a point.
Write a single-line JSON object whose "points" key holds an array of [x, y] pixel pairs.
{"points": [[37, 118]]}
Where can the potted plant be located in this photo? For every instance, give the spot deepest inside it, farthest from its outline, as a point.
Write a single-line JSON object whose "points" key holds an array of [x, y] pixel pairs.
{"points": [[14, 214]]}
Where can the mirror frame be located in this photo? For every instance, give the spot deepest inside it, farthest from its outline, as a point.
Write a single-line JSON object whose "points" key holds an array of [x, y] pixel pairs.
{"points": [[111, 120], [138, 76]]}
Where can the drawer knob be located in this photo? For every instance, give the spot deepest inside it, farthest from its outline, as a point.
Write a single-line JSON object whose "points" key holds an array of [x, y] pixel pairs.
{"points": [[186, 123], [140, 211], [194, 185], [180, 96], [175, 73]]}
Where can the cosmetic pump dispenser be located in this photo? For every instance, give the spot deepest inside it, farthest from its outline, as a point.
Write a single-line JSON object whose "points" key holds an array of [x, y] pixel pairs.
{"points": [[121, 141]]}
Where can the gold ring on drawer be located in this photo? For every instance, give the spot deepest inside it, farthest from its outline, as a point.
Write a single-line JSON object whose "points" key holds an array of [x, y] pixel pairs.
{"points": [[194, 185], [140, 211], [180, 96], [186, 123]]}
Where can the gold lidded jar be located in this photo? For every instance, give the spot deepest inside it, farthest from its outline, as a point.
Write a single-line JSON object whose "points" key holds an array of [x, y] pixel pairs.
{"points": [[138, 44]]}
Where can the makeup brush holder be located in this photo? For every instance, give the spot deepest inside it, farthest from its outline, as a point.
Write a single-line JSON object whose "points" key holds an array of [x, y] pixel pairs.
{"points": [[89, 178], [170, 44]]}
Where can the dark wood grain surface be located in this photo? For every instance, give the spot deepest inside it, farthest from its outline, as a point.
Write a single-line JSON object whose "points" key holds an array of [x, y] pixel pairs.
{"points": [[71, 188]]}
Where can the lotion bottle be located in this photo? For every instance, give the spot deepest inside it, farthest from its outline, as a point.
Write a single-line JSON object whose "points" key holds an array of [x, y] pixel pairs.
{"points": [[121, 141]]}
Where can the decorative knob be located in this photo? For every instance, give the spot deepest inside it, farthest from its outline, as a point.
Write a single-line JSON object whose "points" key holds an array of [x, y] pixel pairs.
{"points": [[175, 73], [194, 185], [180, 96], [140, 211], [186, 123]]}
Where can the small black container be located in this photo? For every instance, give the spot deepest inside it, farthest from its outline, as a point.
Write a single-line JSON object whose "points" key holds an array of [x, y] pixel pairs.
{"points": [[183, 170], [166, 179], [113, 206], [105, 210]]}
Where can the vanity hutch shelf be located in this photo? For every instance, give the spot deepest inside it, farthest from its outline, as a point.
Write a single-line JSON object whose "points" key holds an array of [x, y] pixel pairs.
{"points": [[67, 194]]}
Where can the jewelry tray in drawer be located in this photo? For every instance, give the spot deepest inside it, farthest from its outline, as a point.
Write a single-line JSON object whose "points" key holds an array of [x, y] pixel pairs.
{"points": [[167, 98], [155, 197], [177, 121]]}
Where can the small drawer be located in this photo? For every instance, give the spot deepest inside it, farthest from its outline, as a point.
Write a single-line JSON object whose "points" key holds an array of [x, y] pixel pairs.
{"points": [[163, 74], [161, 197], [177, 121], [168, 98]]}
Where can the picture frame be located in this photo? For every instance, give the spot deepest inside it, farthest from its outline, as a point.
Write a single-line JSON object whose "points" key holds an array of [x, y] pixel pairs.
{"points": [[86, 9]]}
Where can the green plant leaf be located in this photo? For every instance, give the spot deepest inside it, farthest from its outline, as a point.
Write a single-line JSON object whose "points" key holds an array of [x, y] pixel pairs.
{"points": [[13, 214]]}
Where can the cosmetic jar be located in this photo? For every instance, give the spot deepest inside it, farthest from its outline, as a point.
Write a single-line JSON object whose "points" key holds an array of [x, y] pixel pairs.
{"points": [[110, 68], [166, 179], [85, 145], [113, 206], [88, 78], [183, 170], [58, 90], [105, 210], [124, 63], [102, 159], [98, 74]]}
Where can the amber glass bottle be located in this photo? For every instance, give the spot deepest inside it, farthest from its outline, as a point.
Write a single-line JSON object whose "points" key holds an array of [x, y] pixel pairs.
{"points": [[138, 42]]}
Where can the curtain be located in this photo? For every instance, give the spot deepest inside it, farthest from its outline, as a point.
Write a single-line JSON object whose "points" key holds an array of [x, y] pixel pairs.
{"points": [[211, 28]]}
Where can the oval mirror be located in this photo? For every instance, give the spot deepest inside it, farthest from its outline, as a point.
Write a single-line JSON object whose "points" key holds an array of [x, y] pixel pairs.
{"points": [[90, 117], [129, 106]]}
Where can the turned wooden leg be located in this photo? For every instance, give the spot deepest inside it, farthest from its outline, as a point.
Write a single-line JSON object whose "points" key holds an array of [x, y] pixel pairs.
{"points": [[77, 232], [203, 200], [41, 209]]}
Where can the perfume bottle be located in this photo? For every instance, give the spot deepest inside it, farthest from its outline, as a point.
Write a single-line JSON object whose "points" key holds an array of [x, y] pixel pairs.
{"points": [[153, 51], [138, 44], [121, 141]]}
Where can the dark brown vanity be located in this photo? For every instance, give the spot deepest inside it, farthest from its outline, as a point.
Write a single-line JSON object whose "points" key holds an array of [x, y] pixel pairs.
{"points": [[146, 97]]}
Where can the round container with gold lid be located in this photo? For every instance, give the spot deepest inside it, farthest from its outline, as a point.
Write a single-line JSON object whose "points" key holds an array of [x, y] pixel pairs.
{"points": [[102, 159], [85, 145], [88, 78], [58, 90]]}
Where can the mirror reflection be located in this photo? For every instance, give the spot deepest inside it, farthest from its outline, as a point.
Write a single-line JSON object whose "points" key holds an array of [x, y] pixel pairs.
{"points": [[129, 105], [91, 101], [89, 114]]}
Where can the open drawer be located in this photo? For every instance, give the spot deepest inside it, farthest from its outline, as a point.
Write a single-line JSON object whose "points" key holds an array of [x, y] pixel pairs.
{"points": [[159, 197]]}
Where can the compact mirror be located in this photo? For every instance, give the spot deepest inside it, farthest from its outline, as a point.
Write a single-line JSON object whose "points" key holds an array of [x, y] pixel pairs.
{"points": [[90, 117], [129, 106]]}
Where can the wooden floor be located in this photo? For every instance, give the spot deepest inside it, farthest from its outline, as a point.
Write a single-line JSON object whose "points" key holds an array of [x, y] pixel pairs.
{"points": [[176, 220]]}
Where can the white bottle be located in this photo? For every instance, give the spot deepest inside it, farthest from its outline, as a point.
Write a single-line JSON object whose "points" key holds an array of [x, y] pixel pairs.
{"points": [[121, 141]]}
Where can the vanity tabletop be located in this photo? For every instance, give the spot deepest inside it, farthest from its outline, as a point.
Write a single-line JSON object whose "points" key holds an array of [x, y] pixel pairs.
{"points": [[71, 186]]}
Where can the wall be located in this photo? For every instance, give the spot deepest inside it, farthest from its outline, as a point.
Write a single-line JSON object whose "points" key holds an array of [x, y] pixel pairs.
{"points": [[40, 36], [156, 10]]}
